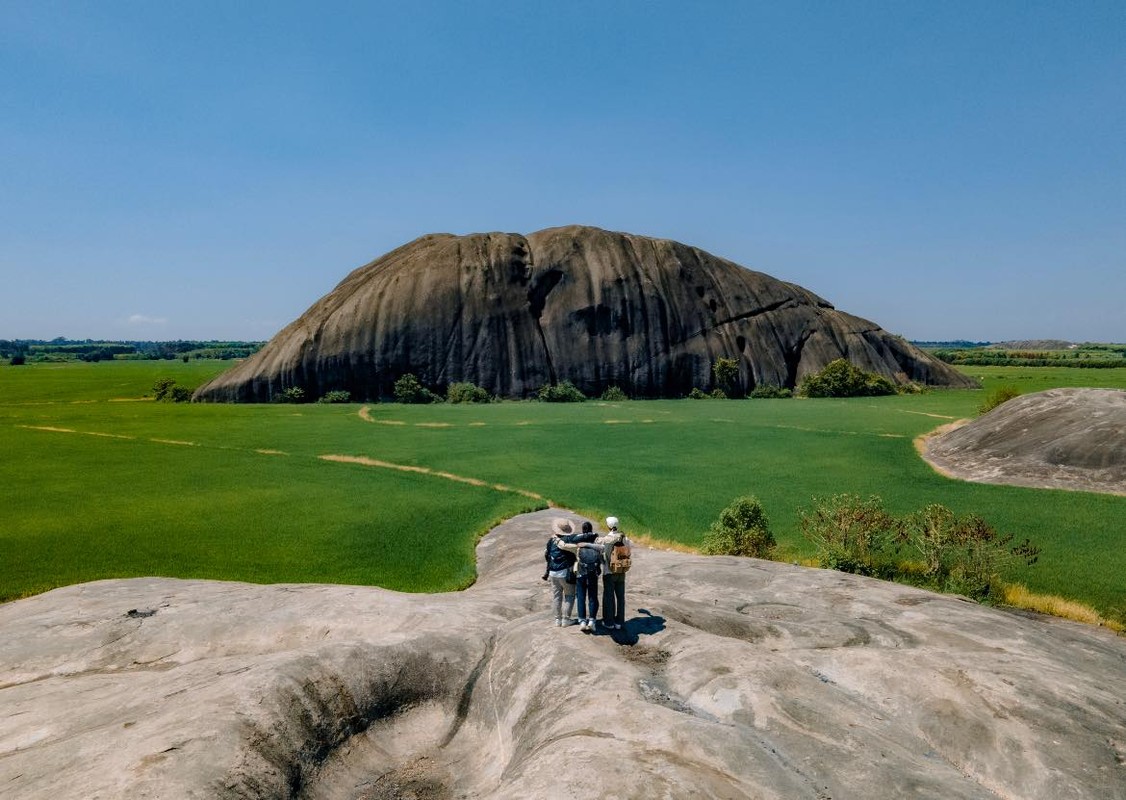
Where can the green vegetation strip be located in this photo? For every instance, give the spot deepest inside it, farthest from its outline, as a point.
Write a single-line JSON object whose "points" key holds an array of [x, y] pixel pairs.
{"points": [[80, 507]]}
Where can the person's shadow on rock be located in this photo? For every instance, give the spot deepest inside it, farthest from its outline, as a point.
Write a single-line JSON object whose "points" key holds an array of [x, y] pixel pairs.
{"points": [[645, 625]]}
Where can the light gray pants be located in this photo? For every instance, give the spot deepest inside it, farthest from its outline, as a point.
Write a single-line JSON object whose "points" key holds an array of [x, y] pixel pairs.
{"points": [[560, 591]]}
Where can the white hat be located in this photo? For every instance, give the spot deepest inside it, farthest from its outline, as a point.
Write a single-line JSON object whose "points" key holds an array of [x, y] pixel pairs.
{"points": [[611, 522]]}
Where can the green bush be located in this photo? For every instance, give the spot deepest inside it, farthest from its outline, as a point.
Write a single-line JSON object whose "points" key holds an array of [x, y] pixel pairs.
{"points": [[741, 530], [336, 396], [840, 378], [851, 534], [962, 555], [162, 388], [466, 393], [166, 390], [565, 392], [718, 394], [294, 394], [698, 394], [17, 361], [933, 547], [409, 390], [1002, 394], [767, 392], [614, 394]]}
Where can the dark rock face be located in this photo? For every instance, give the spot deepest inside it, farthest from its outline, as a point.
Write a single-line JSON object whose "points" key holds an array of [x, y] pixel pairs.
{"points": [[511, 313], [1061, 438]]}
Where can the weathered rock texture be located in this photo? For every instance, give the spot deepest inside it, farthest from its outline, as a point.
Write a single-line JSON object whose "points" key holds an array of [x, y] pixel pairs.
{"points": [[735, 678], [512, 313], [1061, 438]]}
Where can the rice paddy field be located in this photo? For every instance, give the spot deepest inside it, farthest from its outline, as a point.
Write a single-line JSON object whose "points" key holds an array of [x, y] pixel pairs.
{"points": [[101, 482]]}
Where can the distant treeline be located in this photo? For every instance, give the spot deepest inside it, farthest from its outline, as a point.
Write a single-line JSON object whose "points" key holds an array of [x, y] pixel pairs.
{"points": [[1088, 355], [20, 351]]}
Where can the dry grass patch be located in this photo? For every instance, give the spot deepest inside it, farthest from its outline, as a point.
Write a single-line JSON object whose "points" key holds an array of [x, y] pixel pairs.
{"points": [[1018, 596]]}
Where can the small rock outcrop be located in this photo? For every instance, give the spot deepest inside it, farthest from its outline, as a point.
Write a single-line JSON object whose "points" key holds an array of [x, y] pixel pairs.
{"points": [[511, 313], [1060, 439], [733, 678]]}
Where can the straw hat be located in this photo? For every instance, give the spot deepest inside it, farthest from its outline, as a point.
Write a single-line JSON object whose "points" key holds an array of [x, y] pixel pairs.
{"points": [[561, 526]]}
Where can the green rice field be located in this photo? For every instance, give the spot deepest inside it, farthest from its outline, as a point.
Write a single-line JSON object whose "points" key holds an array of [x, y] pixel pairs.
{"points": [[100, 482]]}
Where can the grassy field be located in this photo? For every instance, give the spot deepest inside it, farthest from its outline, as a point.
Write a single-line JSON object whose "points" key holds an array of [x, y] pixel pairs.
{"points": [[102, 484]]}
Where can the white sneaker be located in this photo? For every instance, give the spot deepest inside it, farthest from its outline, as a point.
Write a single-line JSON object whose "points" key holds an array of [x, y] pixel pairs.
{"points": [[559, 622], [587, 626]]}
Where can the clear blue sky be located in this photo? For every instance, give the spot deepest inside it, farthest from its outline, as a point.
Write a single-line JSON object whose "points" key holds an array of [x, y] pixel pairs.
{"points": [[208, 170]]}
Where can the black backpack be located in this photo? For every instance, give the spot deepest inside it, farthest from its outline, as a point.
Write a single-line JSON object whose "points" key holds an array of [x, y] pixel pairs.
{"points": [[590, 561]]}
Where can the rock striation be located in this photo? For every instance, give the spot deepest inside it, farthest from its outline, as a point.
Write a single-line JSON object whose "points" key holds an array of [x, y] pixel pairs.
{"points": [[734, 678], [511, 313], [1060, 438]]}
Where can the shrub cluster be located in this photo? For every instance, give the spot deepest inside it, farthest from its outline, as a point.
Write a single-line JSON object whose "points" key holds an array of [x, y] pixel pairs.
{"points": [[767, 392], [409, 390], [1000, 395], [700, 394], [166, 390], [565, 392], [466, 393], [294, 394], [840, 378], [614, 394], [741, 530], [336, 396], [933, 547]]}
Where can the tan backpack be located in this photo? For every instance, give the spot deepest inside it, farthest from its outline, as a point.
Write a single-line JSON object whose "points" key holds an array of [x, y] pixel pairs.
{"points": [[620, 557]]}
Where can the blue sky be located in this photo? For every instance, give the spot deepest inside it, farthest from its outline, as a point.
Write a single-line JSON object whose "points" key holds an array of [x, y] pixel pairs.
{"points": [[208, 170]]}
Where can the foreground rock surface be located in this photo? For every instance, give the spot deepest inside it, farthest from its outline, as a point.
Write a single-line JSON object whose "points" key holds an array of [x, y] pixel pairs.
{"points": [[1058, 439], [511, 313], [735, 678]]}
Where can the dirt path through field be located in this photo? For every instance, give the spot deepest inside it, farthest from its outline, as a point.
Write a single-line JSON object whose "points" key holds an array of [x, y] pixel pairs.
{"points": [[339, 459], [374, 462]]}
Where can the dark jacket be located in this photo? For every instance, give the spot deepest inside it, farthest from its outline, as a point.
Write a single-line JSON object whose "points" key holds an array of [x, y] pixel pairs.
{"points": [[562, 557], [556, 557]]}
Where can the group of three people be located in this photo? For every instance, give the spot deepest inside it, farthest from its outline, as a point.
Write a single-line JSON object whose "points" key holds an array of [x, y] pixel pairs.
{"points": [[575, 562]]}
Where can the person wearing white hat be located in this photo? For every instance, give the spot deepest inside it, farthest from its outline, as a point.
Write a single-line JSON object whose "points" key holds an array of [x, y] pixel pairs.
{"points": [[616, 554]]}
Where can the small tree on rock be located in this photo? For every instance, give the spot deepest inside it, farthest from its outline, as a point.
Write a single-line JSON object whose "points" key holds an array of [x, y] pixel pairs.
{"points": [[726, 373]]}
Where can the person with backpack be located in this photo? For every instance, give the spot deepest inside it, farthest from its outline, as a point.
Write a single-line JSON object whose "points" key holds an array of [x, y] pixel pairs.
{"points": [[617, 551], [588, 566], [560, 570]]}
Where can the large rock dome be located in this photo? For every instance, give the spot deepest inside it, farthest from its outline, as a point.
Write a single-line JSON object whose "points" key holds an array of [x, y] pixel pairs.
{"points": [[1056, 439], [512, 313]]}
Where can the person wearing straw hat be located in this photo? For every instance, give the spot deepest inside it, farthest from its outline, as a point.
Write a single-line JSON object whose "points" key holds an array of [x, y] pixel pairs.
{"points": [[560, 571], [588, 566]]}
